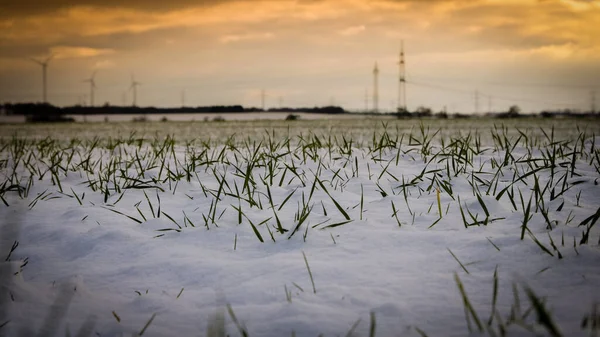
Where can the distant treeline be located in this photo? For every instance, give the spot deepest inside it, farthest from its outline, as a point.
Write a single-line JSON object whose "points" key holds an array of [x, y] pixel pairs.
{"points": [[39, 112], [513, 112], [37, 109]]}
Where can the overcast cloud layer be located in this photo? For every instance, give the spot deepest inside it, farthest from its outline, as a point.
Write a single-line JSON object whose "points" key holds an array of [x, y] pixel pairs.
{"points": [[539, 54]]}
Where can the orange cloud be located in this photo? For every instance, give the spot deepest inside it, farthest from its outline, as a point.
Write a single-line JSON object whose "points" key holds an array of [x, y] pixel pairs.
{"points": [[551, 18], [67, 52], [352, 30], [244, 37], [320, 37]]}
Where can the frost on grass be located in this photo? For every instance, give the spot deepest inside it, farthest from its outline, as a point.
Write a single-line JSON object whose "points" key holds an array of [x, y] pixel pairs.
{"points": [[382, 229]]}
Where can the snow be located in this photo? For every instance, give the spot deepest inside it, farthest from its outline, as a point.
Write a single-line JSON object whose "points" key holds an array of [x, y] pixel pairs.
{"points": [[114, 266]]}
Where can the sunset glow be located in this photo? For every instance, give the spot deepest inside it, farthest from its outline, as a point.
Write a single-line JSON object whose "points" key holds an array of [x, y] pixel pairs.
{"points": [[537, 54]]}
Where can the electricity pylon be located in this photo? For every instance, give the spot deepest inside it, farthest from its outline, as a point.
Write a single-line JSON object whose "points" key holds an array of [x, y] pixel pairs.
{"points": [[402, 80]]}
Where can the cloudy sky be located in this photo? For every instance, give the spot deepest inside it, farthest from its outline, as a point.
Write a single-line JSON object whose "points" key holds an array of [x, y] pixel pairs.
{"points": [[538, 54]]}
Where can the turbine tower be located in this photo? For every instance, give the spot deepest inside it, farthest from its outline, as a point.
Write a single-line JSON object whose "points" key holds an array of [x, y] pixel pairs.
{"points": [[375, 89], [402, 83], [92, 82], [133, 87], [44, 65]]}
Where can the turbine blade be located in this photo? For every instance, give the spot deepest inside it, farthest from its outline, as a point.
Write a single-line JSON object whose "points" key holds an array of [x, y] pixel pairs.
{"points": [[35, 60]]}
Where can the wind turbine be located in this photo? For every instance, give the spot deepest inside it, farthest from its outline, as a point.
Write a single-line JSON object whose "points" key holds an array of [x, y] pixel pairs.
{"points": [[134, 85], [92, 82], [44, 65]]}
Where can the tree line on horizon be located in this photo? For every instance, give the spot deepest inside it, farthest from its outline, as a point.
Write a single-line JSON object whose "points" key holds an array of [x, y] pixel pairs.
{"points": [[47, 112], [48, 109]]}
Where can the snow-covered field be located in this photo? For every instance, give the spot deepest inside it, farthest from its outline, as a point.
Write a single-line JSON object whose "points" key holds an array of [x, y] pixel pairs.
{"points": [[338, 228]]}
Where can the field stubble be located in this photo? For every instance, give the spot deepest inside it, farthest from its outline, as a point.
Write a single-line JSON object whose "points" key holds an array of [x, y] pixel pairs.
{"points": [[439, 228]]}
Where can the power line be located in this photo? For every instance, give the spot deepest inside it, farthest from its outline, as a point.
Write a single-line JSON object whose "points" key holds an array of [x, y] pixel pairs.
{"points": [[440, 87], [539, 85], [497, 97], [511, 84]]}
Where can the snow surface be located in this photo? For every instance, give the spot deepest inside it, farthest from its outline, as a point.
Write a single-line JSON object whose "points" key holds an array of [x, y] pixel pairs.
{"points": [[110, 265]]}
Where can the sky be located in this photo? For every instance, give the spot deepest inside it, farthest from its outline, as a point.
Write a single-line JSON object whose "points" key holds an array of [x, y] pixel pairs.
{"points": [[461, 55]]}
